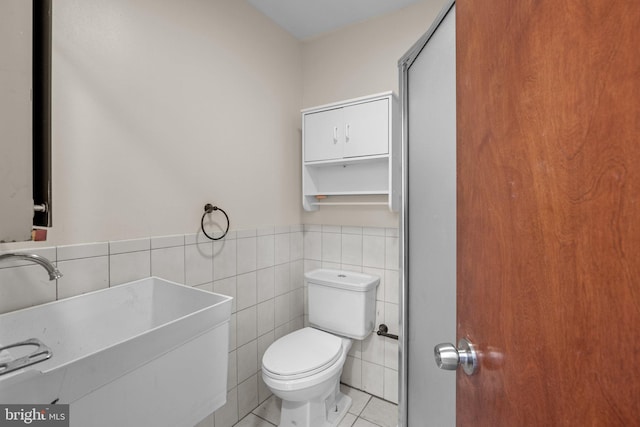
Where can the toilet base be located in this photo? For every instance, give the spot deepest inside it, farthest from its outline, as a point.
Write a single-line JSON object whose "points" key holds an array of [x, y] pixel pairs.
{"points": [[342, 405], [325, 411]]}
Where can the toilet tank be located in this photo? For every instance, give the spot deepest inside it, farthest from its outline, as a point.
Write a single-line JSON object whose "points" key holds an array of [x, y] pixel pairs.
{"points": [[342, 302]]}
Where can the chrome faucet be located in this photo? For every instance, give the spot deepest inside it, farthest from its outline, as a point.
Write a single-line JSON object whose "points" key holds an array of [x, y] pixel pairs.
{"points": [[51, 269]]}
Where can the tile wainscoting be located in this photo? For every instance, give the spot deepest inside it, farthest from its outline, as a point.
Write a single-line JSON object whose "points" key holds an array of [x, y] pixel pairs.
{"points": [[263, 269]]}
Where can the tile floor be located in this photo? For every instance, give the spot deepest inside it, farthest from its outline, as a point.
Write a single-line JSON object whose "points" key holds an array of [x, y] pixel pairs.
{"points": [[365, 411]]}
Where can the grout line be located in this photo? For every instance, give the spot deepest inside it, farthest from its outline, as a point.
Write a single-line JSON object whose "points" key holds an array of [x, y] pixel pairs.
{"points": [[263, 419]]}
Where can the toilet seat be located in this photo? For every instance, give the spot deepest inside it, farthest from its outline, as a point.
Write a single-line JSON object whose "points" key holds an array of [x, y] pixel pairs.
{"points": [[301, 354]]}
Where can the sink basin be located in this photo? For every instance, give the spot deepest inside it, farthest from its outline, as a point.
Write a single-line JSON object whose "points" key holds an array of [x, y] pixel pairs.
{"points": [[151, 344]]}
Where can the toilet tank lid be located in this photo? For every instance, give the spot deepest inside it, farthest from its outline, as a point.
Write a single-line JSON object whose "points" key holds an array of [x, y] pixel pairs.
{"points": [[350, 280]]}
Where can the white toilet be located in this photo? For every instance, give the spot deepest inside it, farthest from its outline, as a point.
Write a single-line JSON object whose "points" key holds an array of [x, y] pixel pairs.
{"points": [[303, 368]]}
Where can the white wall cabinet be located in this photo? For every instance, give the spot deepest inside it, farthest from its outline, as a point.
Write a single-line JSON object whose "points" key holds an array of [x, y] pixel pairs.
{"points": [[351, 131], [350, 148]]}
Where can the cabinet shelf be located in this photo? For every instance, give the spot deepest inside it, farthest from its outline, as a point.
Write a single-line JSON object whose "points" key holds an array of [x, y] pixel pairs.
{"points": [[349, 204], [346, 161], [351, 148], [350, 193]]}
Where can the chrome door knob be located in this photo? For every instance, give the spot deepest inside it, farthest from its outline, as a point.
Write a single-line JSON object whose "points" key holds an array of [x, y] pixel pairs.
{"points": [[449, 357]]}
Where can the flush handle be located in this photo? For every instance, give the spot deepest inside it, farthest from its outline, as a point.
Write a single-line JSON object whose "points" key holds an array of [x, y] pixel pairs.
{"points": [[448, 357]]}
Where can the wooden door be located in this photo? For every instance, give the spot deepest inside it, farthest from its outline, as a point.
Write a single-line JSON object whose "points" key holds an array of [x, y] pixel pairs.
{"points": [[548, 135]]}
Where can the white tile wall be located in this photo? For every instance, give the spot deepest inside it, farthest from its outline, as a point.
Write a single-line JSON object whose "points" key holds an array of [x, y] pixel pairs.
{"points": [[372, 365], [247, 250], [266, 316], [247, 396], [246, 288], [265, 284], [262, 269], [168, 262], [224, 259], [127, 267], [83, 275], [24, 284], [247, 326], [265, 251]]}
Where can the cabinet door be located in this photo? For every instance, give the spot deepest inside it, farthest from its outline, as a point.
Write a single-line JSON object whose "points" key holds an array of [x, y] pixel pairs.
{"points": [[323, 135], [366, 128]]}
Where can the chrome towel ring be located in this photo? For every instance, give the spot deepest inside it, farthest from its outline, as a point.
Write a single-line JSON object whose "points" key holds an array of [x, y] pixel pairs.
{"points": [[209, 208]]}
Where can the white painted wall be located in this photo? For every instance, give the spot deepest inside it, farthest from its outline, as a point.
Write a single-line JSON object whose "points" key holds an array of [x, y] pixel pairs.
{"points": [[356, 61], [161, 106], [16, 206]]}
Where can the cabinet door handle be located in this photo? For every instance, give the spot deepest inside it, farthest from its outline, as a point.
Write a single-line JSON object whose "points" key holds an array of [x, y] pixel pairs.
{"points": [[335, 134], [346, 132]]}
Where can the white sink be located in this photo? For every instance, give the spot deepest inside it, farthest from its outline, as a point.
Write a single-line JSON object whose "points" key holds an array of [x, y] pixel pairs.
{"points": [[148, 348]]}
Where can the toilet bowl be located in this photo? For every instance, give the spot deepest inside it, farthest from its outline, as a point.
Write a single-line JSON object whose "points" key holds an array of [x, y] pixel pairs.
{"points": [[304, 367]]}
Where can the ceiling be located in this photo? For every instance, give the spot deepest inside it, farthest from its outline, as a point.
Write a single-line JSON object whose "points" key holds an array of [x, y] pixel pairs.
{"points": [[308, 18]]}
